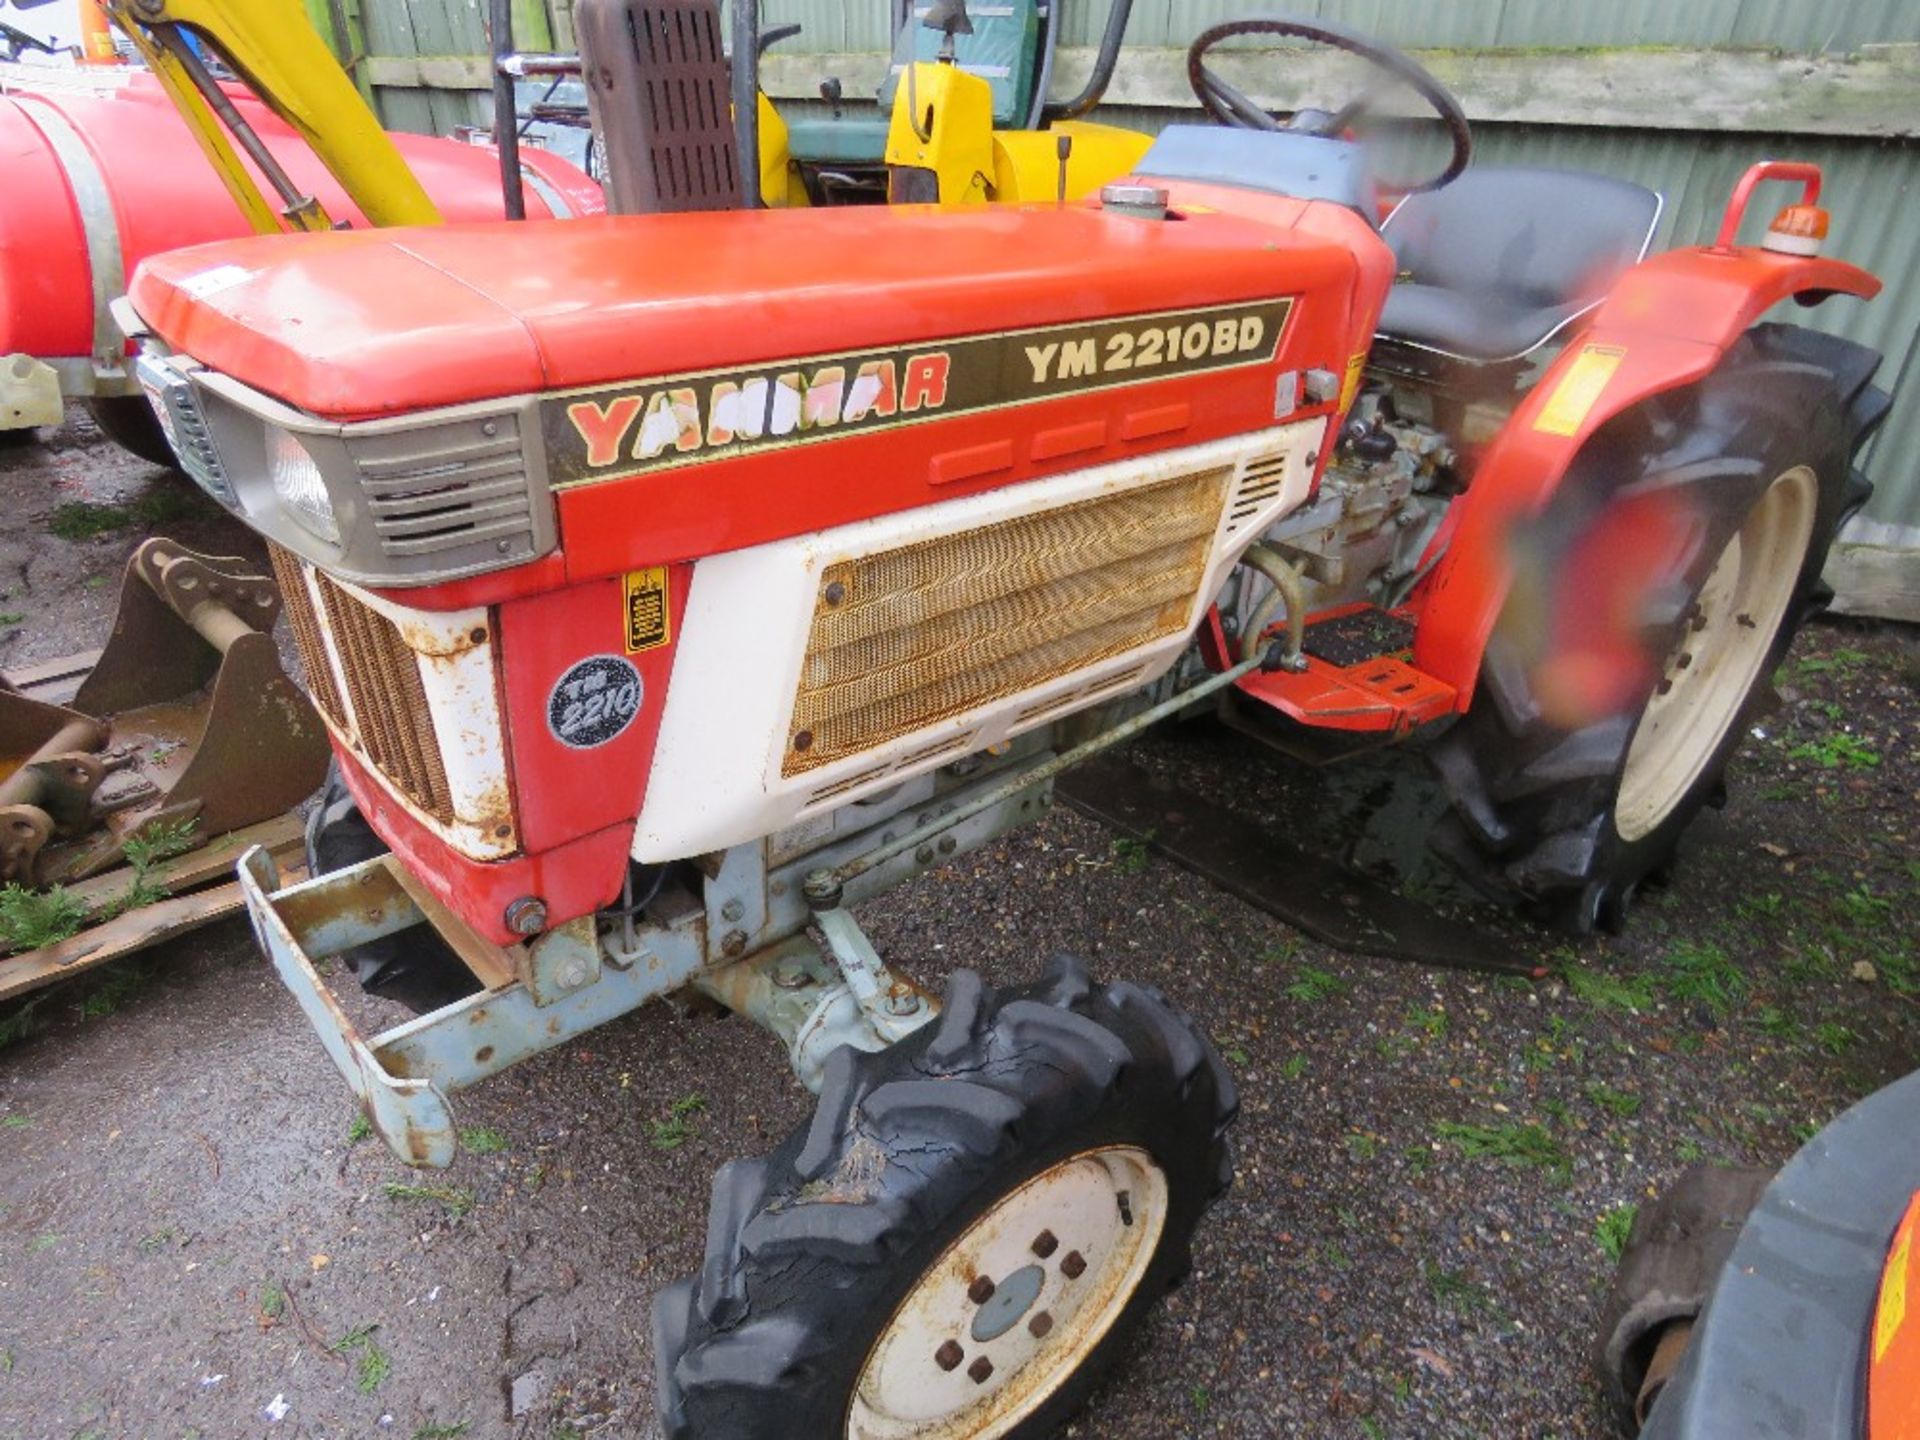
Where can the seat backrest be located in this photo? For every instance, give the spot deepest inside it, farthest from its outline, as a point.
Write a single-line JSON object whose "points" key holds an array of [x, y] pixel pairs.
{"points": [[659, 91], [1003, 50], [1534, 237]]}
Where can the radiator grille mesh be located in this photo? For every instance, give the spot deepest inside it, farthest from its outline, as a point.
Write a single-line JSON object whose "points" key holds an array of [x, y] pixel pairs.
{"points": [[385, 713], [909, 637], [306, 637]]}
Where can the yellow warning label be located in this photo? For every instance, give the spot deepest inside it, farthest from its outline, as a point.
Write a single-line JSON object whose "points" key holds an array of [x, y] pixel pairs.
{"points": [[1893, 1299], [649, 624], [1350, 385], [1567, 408]]}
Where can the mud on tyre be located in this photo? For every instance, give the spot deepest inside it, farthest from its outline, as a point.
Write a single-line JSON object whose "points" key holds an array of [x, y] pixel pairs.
{"points": [[1567, 815], [967, 1234]]}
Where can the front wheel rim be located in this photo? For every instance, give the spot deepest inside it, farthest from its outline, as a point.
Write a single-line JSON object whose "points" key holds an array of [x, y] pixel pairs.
{"points": [[1730, 632], [1012, 1309]]}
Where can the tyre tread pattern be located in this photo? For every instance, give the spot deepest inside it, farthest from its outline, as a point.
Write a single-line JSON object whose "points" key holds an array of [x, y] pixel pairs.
{"points": [[908, 1144], [1531, 822]]}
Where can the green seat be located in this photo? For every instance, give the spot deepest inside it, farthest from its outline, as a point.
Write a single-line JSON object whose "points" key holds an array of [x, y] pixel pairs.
{"points": [[1002, 50], [850, 140]]}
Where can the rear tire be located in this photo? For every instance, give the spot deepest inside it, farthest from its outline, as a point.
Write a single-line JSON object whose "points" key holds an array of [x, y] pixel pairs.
{"points": [[129, 421], [1565, 806], [415, 967], [966, 1236]]}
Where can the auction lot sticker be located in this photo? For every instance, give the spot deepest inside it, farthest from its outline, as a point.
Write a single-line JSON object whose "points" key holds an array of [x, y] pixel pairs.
{"points": [[594, 701]]}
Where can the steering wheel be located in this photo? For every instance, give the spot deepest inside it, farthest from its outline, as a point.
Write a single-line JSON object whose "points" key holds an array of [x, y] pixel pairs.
{"points": [[1229, 105]]}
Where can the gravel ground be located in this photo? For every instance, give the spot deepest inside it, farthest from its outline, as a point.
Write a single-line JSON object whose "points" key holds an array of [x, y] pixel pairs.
{"points": [[192, 1238]]}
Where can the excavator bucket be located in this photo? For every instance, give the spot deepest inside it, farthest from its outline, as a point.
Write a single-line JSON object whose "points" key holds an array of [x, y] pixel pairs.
{"points": [[186, 724]]}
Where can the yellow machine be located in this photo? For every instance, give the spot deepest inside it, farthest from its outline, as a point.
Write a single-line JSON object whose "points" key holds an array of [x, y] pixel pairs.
{"points": [[271, 46], [969, 125], [944, 147]]}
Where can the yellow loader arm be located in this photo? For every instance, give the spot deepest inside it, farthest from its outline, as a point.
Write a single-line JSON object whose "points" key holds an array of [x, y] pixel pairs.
{"points": [[271, 45]]}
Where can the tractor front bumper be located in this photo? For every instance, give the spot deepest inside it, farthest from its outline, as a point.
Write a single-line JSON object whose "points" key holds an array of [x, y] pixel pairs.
{"points": [[533, 998], [1784, 1345]]}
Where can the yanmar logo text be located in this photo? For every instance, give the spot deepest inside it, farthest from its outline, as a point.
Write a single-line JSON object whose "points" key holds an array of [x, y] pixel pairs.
{"points": [[629, 429]]}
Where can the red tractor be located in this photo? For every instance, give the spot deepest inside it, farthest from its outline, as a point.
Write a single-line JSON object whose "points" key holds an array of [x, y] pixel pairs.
{"points": [[669, 583]]}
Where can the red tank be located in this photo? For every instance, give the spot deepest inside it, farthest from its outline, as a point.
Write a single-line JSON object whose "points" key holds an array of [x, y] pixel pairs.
{"points": [[99, 172]]}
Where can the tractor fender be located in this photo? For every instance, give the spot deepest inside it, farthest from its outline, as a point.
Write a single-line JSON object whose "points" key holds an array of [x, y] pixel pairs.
{"points": [[1666, 324]]}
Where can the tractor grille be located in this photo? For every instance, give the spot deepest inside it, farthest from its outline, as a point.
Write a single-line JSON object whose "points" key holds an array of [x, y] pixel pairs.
{"points": [[909, 637], [321, 687], [385, 714], [437, 488]]}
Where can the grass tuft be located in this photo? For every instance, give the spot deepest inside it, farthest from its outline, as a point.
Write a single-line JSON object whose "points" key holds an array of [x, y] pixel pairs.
{"points": [[675, 1130], [84, 520], [1701, 974], [373, 1366], [1608, 991], [1612, 1228], [1514, 1144], [456, 1200], [30, 919], [1310, 983], [481, 1140]]}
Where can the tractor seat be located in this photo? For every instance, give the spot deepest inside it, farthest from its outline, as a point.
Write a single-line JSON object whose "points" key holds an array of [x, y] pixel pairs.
{"points": [[848, 140], [1500, 261]]}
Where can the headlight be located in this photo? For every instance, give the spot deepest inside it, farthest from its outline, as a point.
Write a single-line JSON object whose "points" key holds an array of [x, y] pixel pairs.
{"points": [[297, 481]]}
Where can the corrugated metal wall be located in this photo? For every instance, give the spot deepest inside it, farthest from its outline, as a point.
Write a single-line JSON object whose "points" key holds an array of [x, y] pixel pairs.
{"points": [[1806, 26]]}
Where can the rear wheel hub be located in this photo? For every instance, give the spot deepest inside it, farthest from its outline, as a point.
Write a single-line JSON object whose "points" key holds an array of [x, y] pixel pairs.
{"points": [[1714, 666]]}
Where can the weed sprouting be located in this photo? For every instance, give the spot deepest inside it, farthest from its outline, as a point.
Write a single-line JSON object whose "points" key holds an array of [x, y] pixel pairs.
{"points": [[674, 1130], [374, 1364], [1612, 1229], [30, 919], [1615, 1102], [1838, 751], [84, 520], [1311, 983], [1452, 1290], [1514, 1144], [456, 1200], [1131, 854], [1832, 1037], [1433, 1021], [1609, 992], [482, 1140], [1700, 973]]}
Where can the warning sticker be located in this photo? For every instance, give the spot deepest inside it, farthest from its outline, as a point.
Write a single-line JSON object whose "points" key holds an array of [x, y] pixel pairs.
{"points": [[1893, 1298], [1350, 382], [1579, 388], [649, 623]]}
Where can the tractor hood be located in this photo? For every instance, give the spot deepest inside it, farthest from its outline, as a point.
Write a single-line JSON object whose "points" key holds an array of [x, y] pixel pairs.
{"points": [[356, 325]]}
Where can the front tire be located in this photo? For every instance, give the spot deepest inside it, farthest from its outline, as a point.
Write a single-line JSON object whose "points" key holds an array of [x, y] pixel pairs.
{"points": [[968, 1233], [129, 421], [1607, 710]]}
